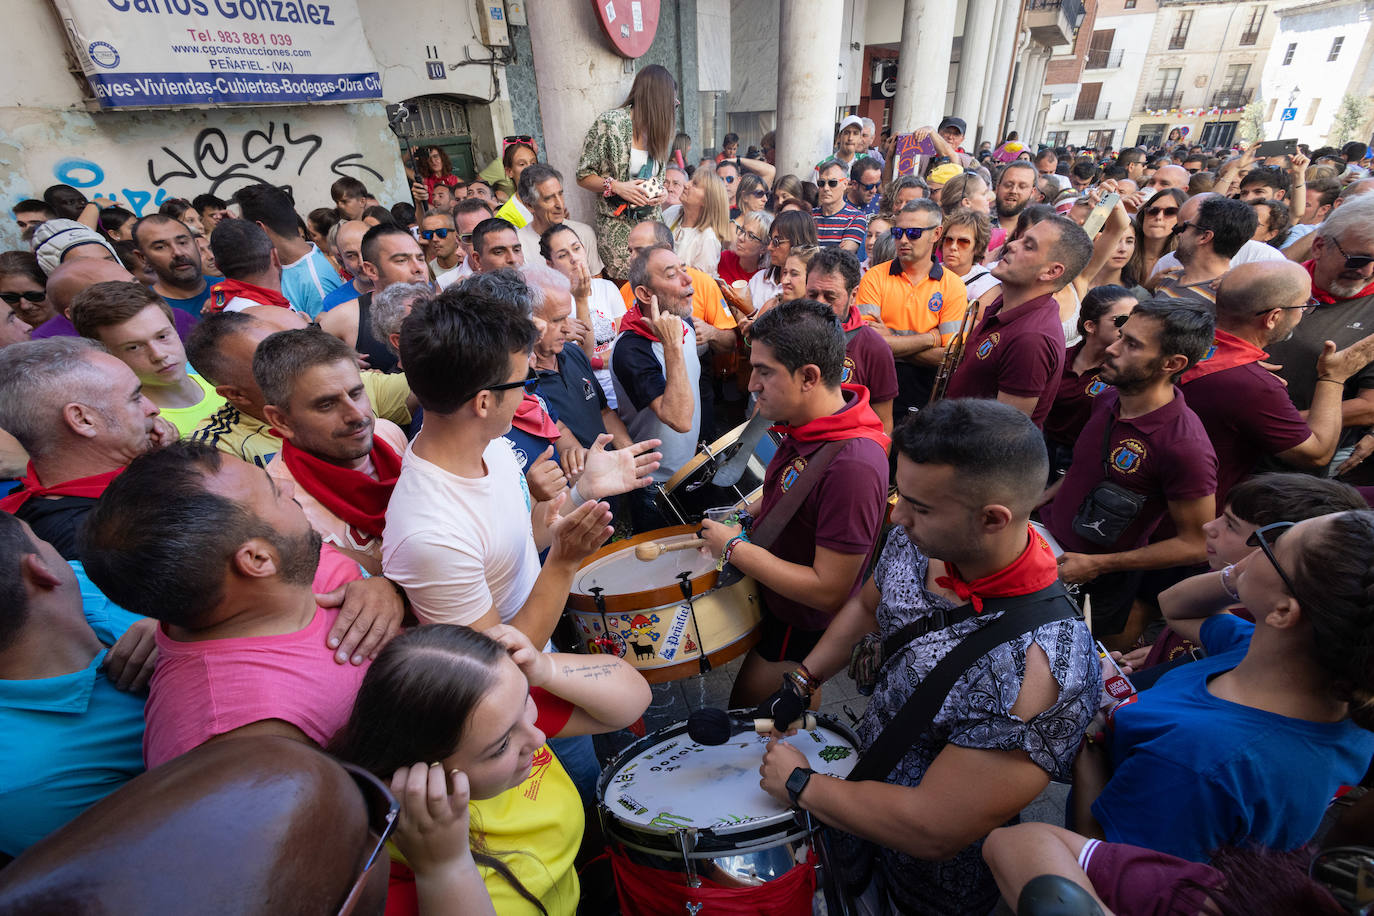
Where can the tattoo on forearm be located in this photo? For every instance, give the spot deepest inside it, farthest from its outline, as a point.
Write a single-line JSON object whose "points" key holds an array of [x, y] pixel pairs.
{"points": [[590, 672]]}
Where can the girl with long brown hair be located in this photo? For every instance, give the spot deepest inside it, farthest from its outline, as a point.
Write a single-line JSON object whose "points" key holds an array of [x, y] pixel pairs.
{"points": [[624, 148]]}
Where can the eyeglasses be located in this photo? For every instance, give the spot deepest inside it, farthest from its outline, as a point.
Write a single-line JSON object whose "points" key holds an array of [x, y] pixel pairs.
{"points": [[1352, 262], [530, 384], [911, 232], [1306, 307], [758, 193], [1161, 211], [428, 234], [777, 242], [728, 179], [382, 811], [746, 234], [32, 295], [873, 186], [1265, 537], [829, 183]]}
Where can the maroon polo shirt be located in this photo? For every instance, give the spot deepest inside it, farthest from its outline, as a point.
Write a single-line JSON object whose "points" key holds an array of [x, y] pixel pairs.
{"points": [[1021, 354], [1248, 415], [1074, 400], [1164, 455], [868, 361], [843, 513]]}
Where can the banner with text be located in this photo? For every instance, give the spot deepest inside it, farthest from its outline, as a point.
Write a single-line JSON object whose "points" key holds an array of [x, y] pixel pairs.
{"points": [[178, 53]]}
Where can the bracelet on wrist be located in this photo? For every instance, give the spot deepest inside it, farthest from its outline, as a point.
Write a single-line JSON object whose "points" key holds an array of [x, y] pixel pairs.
{"points": [[1226, 584], [730, 548], [606, 187], [1327, 378]]}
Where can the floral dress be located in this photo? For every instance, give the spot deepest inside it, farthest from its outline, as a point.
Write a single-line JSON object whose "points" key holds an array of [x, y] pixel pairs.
{"points": [[606, 151], [975, 714]]}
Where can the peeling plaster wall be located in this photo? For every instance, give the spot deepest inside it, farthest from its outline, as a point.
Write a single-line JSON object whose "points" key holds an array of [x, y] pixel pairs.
{"points": [[142, 157]]}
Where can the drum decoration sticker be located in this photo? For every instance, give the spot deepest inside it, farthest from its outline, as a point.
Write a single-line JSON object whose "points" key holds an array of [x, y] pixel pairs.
{"points": [[643, 635]]}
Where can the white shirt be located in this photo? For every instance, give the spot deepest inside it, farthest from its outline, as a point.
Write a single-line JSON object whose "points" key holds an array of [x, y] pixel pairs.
{"points": [[456, 275], [606, 305], [459, 545], [698, 248], [761, 289], [1251, 252], [529, 243], [978, 281]]}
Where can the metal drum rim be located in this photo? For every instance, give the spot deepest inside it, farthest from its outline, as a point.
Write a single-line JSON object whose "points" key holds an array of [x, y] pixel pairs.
{"points": [[648, 598]]}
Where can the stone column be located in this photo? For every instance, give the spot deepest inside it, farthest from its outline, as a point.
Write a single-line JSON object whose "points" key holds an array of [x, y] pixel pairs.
{"points": [[986, 116], [923, 68], [1003, 57], [578, 77], [979, 24], [808, 52]]}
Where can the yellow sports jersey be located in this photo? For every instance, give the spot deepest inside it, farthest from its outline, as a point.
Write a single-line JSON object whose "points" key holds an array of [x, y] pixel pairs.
{"points": [[186, 419]]}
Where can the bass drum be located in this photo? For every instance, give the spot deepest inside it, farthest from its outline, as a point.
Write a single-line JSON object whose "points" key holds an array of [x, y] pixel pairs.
{"points": [[689, 493]]}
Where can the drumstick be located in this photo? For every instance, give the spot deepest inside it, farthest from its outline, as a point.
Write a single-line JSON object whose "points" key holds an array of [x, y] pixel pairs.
{"points": [[652, 549], [807, 721]]}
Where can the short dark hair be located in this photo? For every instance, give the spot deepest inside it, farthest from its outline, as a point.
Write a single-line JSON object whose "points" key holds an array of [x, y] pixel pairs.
{"points": [[535, 174], [729, 138], [1133, 154], [1267, 498], [1184, 328], [158, 541], [112, 218], [21, 264], [15, 544], [1114, 170], [347, 186], [204, 347], [271, 206], [102, 305], [203, 202], [804, 332], [283, 357], [1097, 301], [175, 207], [1073, 248], [1231, 222], [153, 219], [1267, 177], [471, 205], [241, 248], [32, 206], [863, 164], [997, 453], [459, 344], [64, 200], [836, 260], [1084, 170], [489, 227], [1355, 150], [372, 240], [403, 213]]}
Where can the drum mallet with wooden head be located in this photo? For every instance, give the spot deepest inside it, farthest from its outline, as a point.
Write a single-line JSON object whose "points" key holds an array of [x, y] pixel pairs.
{"points": [[651, 550]]}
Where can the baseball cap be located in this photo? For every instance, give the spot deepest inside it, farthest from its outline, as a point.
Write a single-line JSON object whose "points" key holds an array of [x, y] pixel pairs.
{"points": [[851, 121], [957, 123], [943, 173]]}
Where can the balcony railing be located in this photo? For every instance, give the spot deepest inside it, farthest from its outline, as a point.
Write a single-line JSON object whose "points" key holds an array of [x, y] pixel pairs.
{"points": [[1101, 112], [1249, 38], [1231, 98], [1162, 100], [1103, 58]]}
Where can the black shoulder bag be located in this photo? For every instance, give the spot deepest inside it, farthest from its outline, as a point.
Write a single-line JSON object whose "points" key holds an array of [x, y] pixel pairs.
{"points": [[1108, 509]]}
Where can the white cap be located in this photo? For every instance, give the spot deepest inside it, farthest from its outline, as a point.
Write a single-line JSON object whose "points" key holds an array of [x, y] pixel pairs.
{"points": [[851, 121]]}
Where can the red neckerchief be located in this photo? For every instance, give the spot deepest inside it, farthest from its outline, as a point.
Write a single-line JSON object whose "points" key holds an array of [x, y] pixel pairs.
{"points": [[635, 322], [29, 487], [225, 291], [856, 420], [1323, 296], [531, 417], [1228, 351], [355, 497], [1033, 570], [852, 320]]}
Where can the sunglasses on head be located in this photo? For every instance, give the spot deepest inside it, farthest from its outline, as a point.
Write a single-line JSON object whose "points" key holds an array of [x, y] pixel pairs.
{"points": [[32, 296], [829, 183], [911, 232], [382, 811], [519, 138], [428, 234], [1352, 262]]}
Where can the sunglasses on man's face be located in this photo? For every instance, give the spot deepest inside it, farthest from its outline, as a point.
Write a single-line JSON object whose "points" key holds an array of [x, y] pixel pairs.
{"points": [[382, 811], [32, 295], [829, 183], [911, 232], [728, 179], [869, 186], [531, 385], [1352, 262], [428, 234]]}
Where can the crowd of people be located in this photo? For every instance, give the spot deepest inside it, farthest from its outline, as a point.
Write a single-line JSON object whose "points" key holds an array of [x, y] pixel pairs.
{"points": [[297, 502]]}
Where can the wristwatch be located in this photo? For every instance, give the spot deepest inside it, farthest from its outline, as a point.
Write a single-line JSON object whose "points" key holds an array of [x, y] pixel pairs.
{"points": [[797, 782]]}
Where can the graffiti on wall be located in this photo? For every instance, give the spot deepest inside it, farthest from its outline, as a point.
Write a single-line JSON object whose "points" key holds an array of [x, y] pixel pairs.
{"points": [[271, 155]]}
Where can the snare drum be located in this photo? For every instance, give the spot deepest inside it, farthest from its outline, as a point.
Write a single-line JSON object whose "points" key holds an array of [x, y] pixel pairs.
{"points": [[671, 804], [642, 610], [689, 492]]}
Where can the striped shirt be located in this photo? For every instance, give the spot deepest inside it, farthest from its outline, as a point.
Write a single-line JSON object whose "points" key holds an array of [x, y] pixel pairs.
{"points": [[847, 225]]}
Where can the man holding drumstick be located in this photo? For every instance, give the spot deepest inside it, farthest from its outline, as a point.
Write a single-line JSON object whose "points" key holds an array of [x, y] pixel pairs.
{"points": [[817, 559]]}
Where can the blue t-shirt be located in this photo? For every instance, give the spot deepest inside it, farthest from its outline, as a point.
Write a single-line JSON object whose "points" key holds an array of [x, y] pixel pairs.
{"points": [[306, 282], [527, 446], [194, 304], [1195, 772], [73, 739], [346, 293], [574, 395]]}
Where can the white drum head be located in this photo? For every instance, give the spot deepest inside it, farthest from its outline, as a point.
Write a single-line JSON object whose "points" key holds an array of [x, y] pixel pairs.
{"points": [[622, 573], [679, 783]]}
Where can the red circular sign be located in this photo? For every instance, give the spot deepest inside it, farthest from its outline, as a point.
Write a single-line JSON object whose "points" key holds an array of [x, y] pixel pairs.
{"points": [[629, 24]]}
